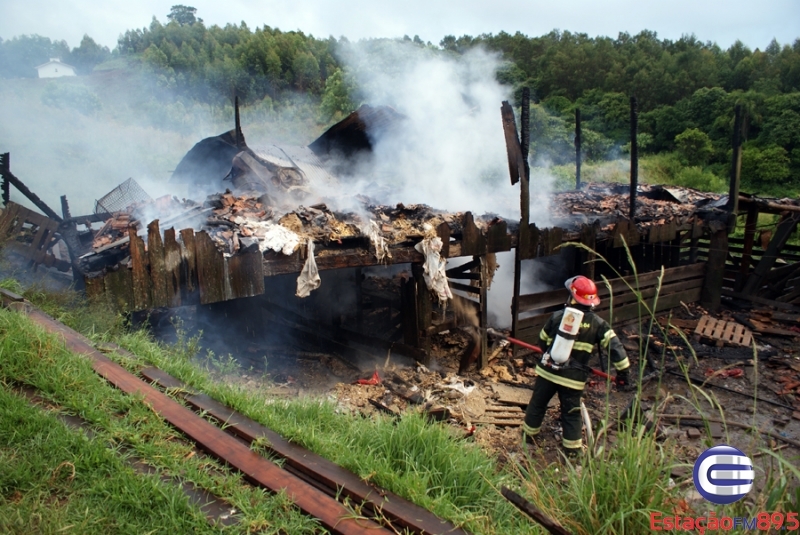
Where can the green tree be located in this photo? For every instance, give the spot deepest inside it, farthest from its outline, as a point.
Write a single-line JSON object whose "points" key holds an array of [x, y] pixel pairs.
{"points": [[694, 146], [88, 54], [336, 99], [765, 170], [183, 15]]}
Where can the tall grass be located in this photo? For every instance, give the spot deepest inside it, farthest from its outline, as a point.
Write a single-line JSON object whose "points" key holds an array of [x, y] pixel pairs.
{"points": [[614, 488]]}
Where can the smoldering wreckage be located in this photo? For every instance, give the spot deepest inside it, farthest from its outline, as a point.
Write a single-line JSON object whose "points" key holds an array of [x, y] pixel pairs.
{"points": [[252, 254]]}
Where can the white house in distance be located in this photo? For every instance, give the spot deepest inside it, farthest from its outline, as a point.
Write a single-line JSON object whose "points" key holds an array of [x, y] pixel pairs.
{"points": [[55, 68]]}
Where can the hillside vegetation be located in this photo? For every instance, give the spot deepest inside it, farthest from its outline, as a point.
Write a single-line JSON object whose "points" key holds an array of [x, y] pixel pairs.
{"points": [[188, 74]]}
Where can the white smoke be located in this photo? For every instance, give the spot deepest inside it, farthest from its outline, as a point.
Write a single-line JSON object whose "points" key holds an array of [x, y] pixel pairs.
{"points": [[450, 152]]}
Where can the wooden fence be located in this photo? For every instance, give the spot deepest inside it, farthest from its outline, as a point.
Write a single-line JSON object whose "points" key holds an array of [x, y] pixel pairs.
{"points": [[621, 302]]}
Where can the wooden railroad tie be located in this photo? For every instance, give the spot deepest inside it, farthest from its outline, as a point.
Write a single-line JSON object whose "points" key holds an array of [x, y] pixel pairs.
{"points": [[724, 332]]}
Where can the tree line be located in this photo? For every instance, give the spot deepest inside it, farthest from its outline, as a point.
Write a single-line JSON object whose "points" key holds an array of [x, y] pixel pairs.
{"points": [[686, 89]]}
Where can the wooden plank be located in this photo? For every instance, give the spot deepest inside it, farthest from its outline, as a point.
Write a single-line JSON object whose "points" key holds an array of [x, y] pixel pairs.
{"points": [[246, 274], [718, 250], [589, 239], [516, 162], [333, 476], [785, 229], [443, 231], [210, 269], [550, 239], [534, 512], [331, 514], [7, 220], [483, 313], [760, 300], [624, 298], [119, 288], [497, 238], [511, 395], [42, 240], [158, 275], [631, 311], [172, 268], [529, 247], [454, 272], [140, 276], [188, 264], [464, 287], [543, 299], [472, 242], [95, 288], [408, 292]]}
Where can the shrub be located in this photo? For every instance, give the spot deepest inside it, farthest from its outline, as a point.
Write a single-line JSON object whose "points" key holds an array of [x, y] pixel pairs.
{"points": [[70, 96]]}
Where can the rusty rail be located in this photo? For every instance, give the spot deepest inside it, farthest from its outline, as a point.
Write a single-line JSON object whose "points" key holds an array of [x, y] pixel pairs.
{"points": [[310, 466], [312, 481], [260, 471]]}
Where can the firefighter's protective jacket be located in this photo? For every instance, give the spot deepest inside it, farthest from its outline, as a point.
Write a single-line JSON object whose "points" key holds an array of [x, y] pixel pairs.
{"points": [[593, 330]]}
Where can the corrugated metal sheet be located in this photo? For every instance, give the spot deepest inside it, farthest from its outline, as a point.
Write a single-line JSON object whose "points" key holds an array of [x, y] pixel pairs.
{"points": [[302, 157]]}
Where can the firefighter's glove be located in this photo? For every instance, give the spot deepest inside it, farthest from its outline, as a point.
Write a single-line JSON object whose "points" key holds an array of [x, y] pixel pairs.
{"points": [[623, 380]]}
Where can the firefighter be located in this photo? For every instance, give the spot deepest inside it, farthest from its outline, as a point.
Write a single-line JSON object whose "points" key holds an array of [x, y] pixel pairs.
{"points": [[568, 338]]}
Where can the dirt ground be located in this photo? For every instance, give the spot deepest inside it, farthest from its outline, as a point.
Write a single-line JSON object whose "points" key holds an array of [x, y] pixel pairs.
{"points": [[488, 406]]}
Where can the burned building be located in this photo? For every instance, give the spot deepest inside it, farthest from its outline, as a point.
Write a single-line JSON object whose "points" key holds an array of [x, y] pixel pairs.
{"points": [[239, 247]]}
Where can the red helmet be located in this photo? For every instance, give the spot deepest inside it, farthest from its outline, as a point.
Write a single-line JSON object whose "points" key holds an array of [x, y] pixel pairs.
{"points": [[583, 290]]}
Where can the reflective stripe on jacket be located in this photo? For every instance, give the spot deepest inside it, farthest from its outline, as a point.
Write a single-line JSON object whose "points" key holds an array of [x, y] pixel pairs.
{"points": [[594, 330]]}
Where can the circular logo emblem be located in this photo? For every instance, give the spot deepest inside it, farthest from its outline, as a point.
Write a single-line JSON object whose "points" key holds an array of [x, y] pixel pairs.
{"points": [[723, 474]]}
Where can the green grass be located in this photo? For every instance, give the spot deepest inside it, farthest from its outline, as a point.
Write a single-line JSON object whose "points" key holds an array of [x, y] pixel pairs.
{"points": [[616, 488], [664, 169], [31, 357]]}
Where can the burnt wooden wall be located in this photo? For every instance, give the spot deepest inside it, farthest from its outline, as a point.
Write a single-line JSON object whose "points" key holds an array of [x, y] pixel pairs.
{"points": [[30, 235], [169, 273], [620, 303], [189, 269]]}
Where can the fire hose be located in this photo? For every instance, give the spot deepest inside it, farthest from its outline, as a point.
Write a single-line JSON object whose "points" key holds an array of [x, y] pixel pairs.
{"points": [[538, 350]]}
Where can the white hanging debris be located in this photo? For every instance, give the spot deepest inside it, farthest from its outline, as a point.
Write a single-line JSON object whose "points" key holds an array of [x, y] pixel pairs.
{"points": [[308, 280], [272, 237], [373, 232], [434, 268]]}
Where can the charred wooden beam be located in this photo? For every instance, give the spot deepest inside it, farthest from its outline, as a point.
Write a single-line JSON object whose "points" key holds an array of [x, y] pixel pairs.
{"points": [[516, 165], [715, 273], [534, 512], [736, 165], [577, 148], [5, 172], [785, 229], [483, 317], [749, 238], [634, 157], [340, 333]]}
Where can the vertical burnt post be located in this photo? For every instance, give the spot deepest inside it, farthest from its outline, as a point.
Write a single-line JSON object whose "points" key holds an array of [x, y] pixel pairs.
{"points": [[634, 156], [525, 205], [69, 233], [577, 148], [237, 123], [5, 164], [736, 168], [749, 239], [65, 213]]}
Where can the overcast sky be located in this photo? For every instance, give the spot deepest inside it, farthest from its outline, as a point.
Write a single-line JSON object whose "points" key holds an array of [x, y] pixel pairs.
{"points": [[755, 23]]}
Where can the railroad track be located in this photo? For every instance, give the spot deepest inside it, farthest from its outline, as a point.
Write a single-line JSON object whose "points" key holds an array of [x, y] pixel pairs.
{"points": [[314, 483]]}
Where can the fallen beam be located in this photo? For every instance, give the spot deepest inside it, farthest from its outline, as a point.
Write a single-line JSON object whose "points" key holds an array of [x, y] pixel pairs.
{"points": [[333, 476], [534, 512], [6, 173], [331, 514]]}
